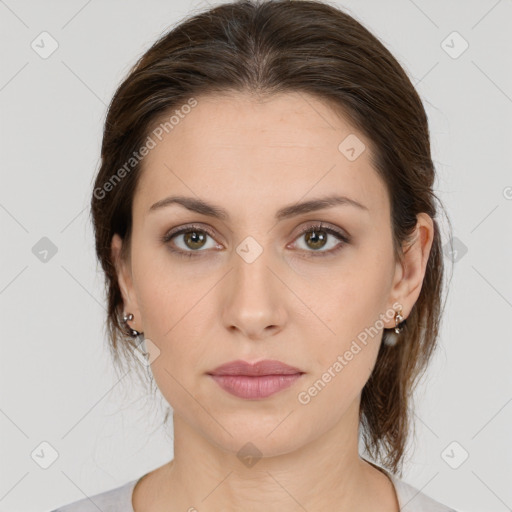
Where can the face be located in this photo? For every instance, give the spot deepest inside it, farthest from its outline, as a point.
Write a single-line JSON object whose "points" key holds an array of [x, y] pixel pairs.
{"points": [[261, 281]]}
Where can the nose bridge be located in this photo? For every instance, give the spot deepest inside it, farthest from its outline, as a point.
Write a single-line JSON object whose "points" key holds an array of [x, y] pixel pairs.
{"points": [[252, 275], [254, 301]]}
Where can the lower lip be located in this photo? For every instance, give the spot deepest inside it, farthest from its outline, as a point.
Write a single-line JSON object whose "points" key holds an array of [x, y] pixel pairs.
{"points": [[244, 386]]}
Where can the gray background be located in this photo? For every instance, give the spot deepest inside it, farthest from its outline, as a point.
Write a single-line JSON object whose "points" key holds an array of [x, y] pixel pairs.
{"points": [[57, 382]]}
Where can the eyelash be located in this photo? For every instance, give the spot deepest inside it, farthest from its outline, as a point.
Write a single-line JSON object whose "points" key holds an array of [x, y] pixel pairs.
{"points": [[344, 239]]}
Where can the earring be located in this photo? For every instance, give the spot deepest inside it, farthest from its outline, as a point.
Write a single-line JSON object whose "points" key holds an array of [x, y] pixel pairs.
{"points": [[127, 318], [399, 322], [140, 340], [390, 337]]}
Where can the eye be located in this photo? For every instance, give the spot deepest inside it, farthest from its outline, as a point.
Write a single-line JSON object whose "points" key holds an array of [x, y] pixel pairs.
{"points": [[189, 240], [317, 238]]}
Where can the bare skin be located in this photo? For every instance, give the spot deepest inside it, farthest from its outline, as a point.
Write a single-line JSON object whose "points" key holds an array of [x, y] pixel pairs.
{"points": [[291, 303]]}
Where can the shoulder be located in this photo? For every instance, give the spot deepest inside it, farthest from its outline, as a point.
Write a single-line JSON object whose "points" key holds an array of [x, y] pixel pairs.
{"points": [[411, 499], [118, 499]]}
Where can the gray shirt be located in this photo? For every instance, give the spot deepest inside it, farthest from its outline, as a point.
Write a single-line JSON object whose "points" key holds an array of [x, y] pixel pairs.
{"points": [[119, 499]]}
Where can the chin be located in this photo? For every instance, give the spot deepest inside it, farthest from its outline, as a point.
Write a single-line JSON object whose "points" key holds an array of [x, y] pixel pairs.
{"points": [[250, 438]]}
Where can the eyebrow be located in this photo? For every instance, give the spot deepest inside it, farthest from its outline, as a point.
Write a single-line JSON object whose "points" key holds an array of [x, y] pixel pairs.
{"points": [[211, 210]]}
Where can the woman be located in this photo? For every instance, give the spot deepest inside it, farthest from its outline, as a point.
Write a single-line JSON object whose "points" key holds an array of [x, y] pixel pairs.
{"points": [[265, 217]]}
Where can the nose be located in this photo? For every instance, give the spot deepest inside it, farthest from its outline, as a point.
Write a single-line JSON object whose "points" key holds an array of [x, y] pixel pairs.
{"points": [[255, 297]]}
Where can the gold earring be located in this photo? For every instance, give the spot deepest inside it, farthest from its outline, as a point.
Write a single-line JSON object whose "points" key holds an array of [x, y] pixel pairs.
{"points": [[399, 321], [390, 336]]}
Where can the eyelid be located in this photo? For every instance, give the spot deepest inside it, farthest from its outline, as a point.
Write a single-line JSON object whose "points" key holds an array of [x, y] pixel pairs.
{"points": [[320, 225]]}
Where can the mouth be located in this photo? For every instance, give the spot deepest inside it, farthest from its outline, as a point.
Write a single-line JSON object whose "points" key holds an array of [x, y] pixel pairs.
{"points": [[257, 380], [257, 369]]}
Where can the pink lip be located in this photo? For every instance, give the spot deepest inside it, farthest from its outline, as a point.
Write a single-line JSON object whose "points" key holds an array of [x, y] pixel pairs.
{"points": [[253, 381]]}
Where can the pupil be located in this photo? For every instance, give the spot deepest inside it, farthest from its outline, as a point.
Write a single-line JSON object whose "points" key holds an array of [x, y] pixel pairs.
{"points": [[195, 238], [315, 237]]}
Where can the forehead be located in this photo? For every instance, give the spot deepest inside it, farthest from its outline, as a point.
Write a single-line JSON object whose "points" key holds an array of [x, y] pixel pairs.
{"points": [[238, 148]]}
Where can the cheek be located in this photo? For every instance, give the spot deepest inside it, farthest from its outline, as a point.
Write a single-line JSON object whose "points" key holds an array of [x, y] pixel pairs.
{"points": [[176, 329], [177, 317], [335, 385], [353, 303], [352, 307], [344, 360], [165, 293]]}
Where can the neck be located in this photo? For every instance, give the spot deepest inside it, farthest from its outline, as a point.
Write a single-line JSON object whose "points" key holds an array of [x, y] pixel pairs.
{"points": [[326, 474]]}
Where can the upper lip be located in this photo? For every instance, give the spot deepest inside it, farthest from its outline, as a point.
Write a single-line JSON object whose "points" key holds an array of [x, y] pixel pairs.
{"points": [[266, 367]]}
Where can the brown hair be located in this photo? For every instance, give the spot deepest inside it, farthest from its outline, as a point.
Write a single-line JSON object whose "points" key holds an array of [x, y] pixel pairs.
{"points": [[280, 46]]}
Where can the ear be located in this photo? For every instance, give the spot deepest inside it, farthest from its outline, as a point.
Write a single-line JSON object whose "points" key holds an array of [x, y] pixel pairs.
{"points": [[124, 277], [409, 274]]}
